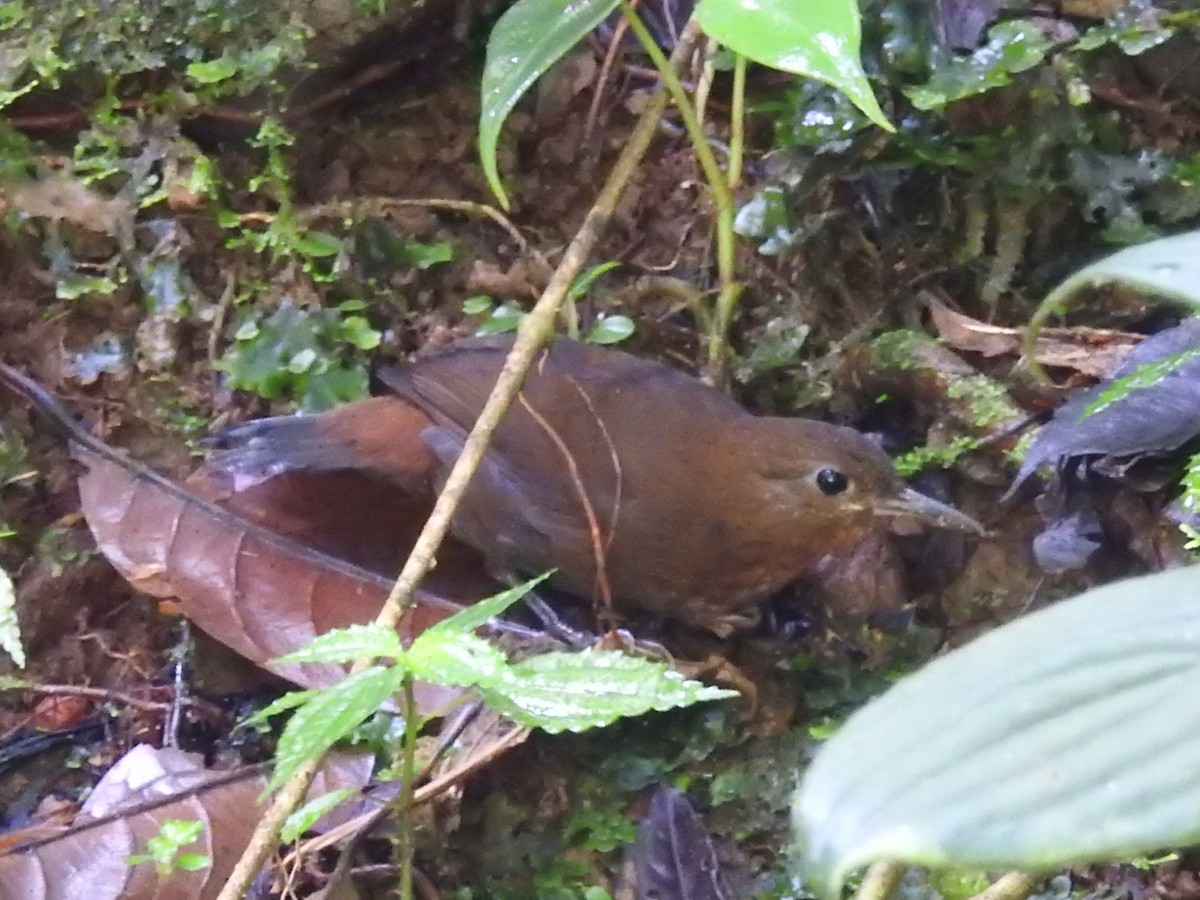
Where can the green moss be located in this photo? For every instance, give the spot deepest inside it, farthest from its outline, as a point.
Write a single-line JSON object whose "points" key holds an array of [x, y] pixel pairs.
{"points": [[920, 458], [901, 350], [47, 43], [987, 401]]}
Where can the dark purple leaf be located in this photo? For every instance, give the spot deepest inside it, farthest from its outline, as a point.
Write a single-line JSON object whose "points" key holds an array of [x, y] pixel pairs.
{"points": [[674, 858], [1153, 417]]}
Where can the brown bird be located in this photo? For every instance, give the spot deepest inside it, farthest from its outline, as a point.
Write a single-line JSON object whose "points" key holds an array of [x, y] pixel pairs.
{"points": [[635, 482]]}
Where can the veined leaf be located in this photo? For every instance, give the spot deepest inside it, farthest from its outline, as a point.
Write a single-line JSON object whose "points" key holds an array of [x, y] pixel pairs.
{"points": [[525, 42], [821, 40], [1064, 736]]}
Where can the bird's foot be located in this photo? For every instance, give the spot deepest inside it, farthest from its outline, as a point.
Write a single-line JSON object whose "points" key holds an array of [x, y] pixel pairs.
{"points": [[623, 640]]}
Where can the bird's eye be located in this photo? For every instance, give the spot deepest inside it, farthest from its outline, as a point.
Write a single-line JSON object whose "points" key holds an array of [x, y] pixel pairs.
{"points": [[831, 482]]}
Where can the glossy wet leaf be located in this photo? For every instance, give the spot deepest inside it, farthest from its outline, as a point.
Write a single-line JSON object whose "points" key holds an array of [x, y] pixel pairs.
{"points": [[820, 40], [576, 691], [1064, 736], [611, 330], [524, 43], [1012, 47]]}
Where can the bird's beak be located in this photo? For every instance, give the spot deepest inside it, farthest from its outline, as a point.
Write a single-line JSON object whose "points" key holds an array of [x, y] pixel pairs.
{"points": [[910, 504]]}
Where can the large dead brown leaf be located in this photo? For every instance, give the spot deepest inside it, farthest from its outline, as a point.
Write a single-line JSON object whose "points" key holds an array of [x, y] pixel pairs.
{"points": [[1094, 352], [261, 592], [143, 790]]}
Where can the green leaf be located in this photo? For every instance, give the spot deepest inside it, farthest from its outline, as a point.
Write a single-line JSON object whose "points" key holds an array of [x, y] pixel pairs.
{"points": [[585, 279], [479, 614], [318, 244], [1169, 267], [212, 71], [302, 819], [347, 644], [1062, 737], [356, 330], [503, 319], [193, 862], [423, 256], [330, 715], [611, 330], [290, 700], [576, 691], [821, 40], [10, 632], [479, 305], [72, 286], [1012, 47], [454, 659], [525, 42]]}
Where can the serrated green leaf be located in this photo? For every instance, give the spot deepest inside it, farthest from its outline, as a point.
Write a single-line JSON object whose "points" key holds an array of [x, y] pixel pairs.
{"points": [[454, 659], [302, 819], [1061, 737], [820, 40], [330, 715], [290, 700], [524, 43], [345, 645], [477, 615], [576, 691], [611, 330], [10, 632]]}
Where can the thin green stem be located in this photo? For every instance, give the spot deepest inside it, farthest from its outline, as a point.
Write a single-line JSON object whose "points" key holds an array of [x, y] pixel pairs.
{"points": [[412, 730], [718, 185], [737, 121]]}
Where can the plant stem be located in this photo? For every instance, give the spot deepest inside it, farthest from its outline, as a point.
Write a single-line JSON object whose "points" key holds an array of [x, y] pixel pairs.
{"points": [[718, 186], [880, 881], [737, 121], [536, 329], [408, 787]]}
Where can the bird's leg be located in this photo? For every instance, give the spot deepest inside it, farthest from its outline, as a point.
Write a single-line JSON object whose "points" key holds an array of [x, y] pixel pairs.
{"points": [[552, 623], [622, 639], [613, 638]]}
